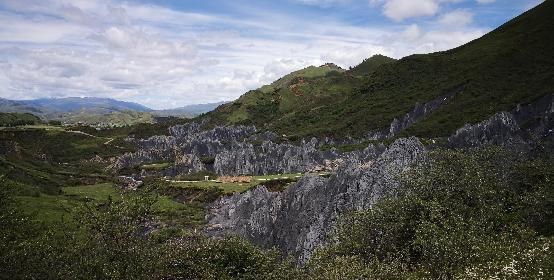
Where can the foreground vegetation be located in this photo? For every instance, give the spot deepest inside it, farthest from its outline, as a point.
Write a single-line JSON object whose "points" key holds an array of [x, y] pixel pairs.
{"points": [[484, 215], [476, 215]]}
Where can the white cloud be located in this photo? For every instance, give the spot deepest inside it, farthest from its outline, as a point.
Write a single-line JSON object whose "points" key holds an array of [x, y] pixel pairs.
{"points": [[139, 43], [412, 32], [34, 31], [399, 10], [279, 67], [456, 18]]}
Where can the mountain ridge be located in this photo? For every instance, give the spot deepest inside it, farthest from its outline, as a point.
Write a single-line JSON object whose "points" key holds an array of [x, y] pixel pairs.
{"points": [[348, 104]]}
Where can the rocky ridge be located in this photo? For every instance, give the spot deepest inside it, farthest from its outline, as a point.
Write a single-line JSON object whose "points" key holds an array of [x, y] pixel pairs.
{"points": [[229, 150]]}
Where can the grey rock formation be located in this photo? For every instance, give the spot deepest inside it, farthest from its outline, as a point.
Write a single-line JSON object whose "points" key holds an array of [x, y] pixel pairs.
{"points": [[500, 129], [235, 150], [298, 220], [521, 129], [185, 147], [420, 111], [272, 158], [153, 149]]}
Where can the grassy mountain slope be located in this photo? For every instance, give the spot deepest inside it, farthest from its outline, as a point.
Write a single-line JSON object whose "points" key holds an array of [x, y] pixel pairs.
{"points": [[512, 64], [305, 89], [13, 106]]}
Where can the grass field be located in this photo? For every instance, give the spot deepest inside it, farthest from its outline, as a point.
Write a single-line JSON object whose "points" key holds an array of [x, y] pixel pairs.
{"points": [[48, 209], [229, 188], [98, 192], [182, 214], [226, 188], [52, 209]]}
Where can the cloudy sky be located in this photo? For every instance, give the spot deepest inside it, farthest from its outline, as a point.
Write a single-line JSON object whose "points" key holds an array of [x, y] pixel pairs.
{"points": [[171, 53]]}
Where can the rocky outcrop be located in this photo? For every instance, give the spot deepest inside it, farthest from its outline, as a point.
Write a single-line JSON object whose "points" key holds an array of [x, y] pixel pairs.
{"points": [[186, 145], [521, 129], [272, 158], [297, 220], [153, 149], [233, 150], [421, 110], [500, 129]]}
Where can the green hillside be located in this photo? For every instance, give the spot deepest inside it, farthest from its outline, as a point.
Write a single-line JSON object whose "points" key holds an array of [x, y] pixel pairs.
{"points": [[512, 64], [306, 89], [371, 64], [15, 119]]}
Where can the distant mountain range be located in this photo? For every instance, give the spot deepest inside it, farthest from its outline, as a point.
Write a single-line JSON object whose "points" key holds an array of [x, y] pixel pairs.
{"points": [[53, 107], [92, 104], [90, 109]]}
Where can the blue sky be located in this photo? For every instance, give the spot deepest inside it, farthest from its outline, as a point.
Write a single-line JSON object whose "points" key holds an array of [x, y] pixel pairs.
{"points": [[171, 53]]}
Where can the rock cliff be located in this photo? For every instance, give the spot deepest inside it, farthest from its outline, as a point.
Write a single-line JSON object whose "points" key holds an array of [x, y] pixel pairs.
{"points": [[528, 126], [297, 220]]}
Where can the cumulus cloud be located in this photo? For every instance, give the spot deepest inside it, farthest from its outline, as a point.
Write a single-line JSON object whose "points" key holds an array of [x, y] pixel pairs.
{"points": [[399, 10]]}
